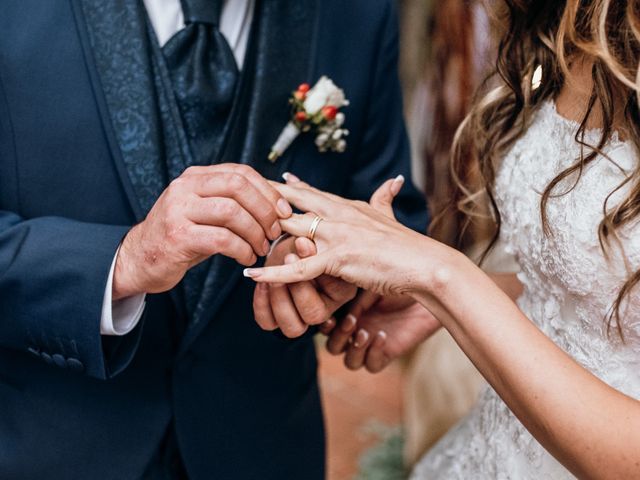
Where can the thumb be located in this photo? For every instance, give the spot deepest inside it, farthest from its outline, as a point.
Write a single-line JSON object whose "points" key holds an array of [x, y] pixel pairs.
{"points": [[382, 198], [305, 247]]}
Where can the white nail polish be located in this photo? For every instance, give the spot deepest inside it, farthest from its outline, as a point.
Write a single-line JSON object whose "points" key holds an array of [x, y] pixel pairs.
{"points": [[247, 272], [396, 185], [285, 176]]}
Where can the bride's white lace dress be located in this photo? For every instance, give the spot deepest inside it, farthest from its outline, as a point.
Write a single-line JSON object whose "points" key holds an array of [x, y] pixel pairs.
{"points": [[569, 288]]}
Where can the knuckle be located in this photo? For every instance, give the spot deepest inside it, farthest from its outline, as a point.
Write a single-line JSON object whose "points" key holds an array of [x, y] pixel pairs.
{"points": [[177, 186], [175, 234], [190, 171], [226, 208], [222, 240], [315, 314], [238, 182]]}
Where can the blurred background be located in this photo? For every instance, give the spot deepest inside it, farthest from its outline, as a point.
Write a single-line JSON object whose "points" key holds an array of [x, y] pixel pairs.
{"points": [[380, 425]]}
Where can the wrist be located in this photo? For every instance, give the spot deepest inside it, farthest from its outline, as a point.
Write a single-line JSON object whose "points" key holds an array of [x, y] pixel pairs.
{"points": [[436, 273], [123, 285]]}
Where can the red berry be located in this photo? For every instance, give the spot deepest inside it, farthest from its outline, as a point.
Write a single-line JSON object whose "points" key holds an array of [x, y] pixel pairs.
{"points": [[330, 112], [299, 95], [304, 88], [301, 117]]}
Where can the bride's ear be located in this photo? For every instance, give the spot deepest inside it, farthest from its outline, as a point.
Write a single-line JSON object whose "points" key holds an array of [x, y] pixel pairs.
{"points": [[382, 198]]}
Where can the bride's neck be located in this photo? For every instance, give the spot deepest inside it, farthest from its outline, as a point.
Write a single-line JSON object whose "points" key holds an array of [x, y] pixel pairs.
{"points": [[573, 100]]}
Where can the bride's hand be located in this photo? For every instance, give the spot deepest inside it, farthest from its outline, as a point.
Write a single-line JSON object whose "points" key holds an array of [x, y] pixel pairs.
{"points": [[355, 242]]}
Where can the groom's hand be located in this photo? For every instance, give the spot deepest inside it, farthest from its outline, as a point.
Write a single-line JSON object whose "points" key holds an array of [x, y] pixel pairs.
{"points": [[226, 209], [292, 308]]}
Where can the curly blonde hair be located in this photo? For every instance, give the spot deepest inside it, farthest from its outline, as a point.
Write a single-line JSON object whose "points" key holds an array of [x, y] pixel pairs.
{"points": [[551, 35]]}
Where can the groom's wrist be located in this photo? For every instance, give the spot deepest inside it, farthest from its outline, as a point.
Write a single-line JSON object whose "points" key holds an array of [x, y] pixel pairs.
{"points": [[125, 282]]}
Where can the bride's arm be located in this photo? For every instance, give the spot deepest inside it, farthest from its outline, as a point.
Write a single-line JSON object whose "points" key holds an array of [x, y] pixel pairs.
{"points": [[508, 283], [588, 426], [591, 428]]}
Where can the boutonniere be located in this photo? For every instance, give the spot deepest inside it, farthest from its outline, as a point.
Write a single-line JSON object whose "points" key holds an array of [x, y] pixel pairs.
{"points": [[315, 110]]}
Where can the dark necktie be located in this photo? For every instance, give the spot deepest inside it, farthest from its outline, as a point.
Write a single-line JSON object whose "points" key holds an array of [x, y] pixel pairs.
{"points": [[204, 75]]}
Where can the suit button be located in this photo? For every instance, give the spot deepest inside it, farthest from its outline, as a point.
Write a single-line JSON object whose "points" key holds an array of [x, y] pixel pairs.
{"points": [[59, 360], [46, 357], [75, 365]]}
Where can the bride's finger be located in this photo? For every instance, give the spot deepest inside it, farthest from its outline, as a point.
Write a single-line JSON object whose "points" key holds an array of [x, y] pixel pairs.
{"points": [[382, 198], [291, 179], [300, 226], [376, 359], [307, 199], [306, 269], [355, 356]]}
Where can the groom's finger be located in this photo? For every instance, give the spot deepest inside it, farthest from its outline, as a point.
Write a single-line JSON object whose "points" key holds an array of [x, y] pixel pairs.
{"points": [[262, 308], [308, 301], [257, 180], [226, 212], [305, 247], [241, 190], [284, 311]]}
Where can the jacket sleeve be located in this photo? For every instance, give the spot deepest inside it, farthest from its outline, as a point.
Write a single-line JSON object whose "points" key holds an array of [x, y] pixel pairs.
{"points": [[53, 273], [384, 150]]}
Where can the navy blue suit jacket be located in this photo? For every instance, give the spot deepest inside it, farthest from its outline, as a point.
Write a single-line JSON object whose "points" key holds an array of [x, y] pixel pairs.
{"points": [[74, 404]]}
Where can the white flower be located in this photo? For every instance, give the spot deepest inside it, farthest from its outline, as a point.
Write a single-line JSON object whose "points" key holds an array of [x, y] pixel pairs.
{"points": [[341, 146], [321, 139], [324, 93]]}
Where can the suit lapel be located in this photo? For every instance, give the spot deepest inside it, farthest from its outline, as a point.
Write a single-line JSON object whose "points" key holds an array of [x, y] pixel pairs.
{"points": [[280, 58], [116, 50]]}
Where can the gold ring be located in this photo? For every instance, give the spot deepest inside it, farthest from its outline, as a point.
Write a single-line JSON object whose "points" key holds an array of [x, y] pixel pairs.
{"points": [[314, 227]]}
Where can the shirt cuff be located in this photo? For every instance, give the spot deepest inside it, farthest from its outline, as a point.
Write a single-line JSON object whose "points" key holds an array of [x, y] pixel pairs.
{"points": [[121, 316]]}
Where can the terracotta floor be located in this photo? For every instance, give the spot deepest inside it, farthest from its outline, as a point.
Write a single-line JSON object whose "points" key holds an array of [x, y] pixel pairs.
{"points": [[352, 400]]}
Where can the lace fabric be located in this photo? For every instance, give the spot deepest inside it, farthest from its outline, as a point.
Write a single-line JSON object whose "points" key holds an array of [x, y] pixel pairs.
{"points": [[569, 288]]}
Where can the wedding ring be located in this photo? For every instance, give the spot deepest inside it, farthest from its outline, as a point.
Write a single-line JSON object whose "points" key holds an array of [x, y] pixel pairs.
{"points": [[314, 227]]}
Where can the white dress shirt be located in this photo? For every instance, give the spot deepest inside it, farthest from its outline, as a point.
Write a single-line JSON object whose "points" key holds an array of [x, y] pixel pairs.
{"points": [[120, 317]]}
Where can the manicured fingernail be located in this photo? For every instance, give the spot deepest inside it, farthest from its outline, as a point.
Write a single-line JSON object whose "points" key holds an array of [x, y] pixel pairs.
{"points": [[396, 186], [330, 323], [361, 338], [276, 230], [251, 272], [349, 323], [266, 246], [381, 338], [290, 177], [284, 208]]}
